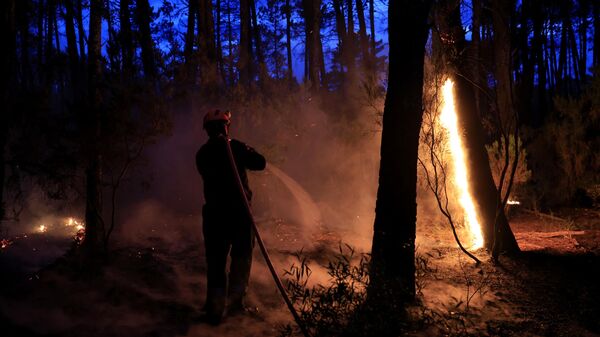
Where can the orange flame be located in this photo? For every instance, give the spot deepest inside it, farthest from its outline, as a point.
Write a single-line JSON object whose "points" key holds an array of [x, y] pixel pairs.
{"points": [[449, 122]]}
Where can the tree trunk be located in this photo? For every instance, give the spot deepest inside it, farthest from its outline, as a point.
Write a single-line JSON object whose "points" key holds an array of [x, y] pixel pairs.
{"points": [[350, 47], [245, 59], [40, 42], [537, 48], [93, 244], [393, 250], [340, 28], [23, 23], [143, 14], [8, 63], [188, 49], [230, 45], [207, 47], [583, 36], [72, 47], [50, 19], [497, 234], [80, 29], [288, 40], [562, 58], [596, 55], [219, 46], [311, 9], [496, 231], [260, 57], [476, 53], [362, 33], [126, 39], [372, 22]]}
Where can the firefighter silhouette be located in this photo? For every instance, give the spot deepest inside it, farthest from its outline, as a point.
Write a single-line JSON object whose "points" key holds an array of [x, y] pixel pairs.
{"points": [[226, 227]]}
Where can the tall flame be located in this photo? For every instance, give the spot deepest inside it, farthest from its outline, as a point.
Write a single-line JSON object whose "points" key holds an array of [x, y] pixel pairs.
{"points": [[449, 121]]}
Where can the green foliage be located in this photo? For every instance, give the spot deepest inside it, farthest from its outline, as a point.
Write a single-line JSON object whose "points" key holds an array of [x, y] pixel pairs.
{"points": [[326, 310], [566, 151], [497, 156], [342, 305]]}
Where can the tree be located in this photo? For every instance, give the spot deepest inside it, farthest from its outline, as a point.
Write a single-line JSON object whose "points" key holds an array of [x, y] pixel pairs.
{"points": [[7, 62], [393, 250], [143, 17], [288, 39], [596, 43], [497, 234], [311, 10], [93, 244], [245, 59]]}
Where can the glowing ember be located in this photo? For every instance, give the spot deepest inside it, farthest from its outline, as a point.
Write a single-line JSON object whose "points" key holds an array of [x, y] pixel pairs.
{"points": [[5, 243], [449, 121], [42, 229], [513, 202]]}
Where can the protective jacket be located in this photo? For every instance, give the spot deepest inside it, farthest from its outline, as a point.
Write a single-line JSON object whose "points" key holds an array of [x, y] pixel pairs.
{"points": [[220, 186]]}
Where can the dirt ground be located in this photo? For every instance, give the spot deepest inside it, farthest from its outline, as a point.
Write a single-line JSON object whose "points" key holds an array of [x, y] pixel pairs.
{"points": [[155, 288]]}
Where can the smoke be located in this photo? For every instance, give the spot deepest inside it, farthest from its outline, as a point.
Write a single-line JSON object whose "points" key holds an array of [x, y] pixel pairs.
{"points": [[321, 177]]}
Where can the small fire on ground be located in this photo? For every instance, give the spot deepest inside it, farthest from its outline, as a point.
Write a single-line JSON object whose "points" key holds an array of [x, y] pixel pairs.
{"points": [[449, 121], [67, 227]]}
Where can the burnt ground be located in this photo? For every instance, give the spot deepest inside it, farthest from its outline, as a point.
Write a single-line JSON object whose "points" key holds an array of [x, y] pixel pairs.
{"points": [[155, 288]]}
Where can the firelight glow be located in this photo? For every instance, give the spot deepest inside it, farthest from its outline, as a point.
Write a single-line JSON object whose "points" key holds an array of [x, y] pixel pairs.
{"points": [[449, 122]]}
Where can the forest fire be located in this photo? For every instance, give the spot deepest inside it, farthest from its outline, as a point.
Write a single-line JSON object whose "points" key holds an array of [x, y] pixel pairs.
{"points": [[449, 121], [69, 227]]}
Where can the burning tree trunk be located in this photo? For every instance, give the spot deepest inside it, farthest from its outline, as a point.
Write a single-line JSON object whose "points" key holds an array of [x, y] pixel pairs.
{"points": [[393, 251], [93, 244], [497, 234]]}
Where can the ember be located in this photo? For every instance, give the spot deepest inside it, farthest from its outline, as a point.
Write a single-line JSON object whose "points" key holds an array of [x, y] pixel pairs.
{"points": [[449, 122], [5, 243]]}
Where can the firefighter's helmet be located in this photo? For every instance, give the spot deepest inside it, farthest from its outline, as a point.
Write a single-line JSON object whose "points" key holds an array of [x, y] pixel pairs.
{"points": [[217, 115]]}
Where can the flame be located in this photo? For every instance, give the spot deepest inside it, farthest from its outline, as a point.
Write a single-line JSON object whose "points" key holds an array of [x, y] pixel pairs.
{"points": [[42, 228], [449, 122], [513, 202]]}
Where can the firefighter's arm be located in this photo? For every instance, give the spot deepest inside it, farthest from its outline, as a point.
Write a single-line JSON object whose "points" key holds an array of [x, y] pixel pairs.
{"points": [[254, 160]]}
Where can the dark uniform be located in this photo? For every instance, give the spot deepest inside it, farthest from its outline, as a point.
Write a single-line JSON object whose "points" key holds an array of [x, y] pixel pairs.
{"points": [[226, 226]]}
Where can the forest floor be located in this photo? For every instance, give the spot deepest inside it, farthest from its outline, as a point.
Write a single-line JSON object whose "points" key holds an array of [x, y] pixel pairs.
{"points": [[155, 287]]}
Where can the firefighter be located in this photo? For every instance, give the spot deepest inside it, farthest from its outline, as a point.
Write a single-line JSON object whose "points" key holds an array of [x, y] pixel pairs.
{"points": [[226, 227]]}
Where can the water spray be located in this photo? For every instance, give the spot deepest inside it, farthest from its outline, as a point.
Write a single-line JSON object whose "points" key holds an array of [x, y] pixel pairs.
{"points": [[261, 244]]}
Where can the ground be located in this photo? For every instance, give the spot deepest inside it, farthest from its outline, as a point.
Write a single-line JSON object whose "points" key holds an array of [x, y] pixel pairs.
{"points": [[155, 287]]}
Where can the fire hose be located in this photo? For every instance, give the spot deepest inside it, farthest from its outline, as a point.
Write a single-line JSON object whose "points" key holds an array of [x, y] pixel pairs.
{"points": [[261, 244]]}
